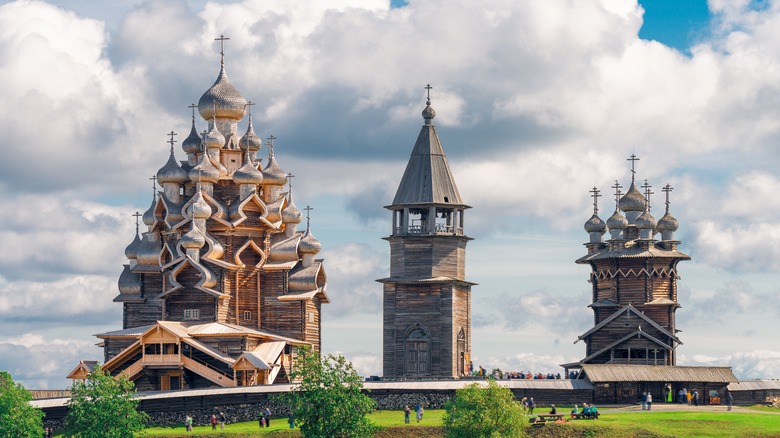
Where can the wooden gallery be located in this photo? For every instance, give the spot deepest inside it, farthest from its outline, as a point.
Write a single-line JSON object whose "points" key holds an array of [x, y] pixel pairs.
{"points": [[221, 289]]}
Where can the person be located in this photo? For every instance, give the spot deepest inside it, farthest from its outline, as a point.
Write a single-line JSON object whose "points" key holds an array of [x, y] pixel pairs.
{"points": [[267, 416], [585, 410], [681, 396], [689, 396], [696, 397], [407, 413], [644, 400], [47, 432], [531, 406], [729, 399], [261, 419], [188, 423], [222, 420], [594, 413], [552, 410], [574, 412], [669, 394], [649, 400], [419, 412], [213, 422], [291, 420]]}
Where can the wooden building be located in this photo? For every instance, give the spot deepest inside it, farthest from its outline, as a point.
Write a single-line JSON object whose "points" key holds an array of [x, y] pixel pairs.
{"points": [[222, 287], [427, 300], [634, 282]]}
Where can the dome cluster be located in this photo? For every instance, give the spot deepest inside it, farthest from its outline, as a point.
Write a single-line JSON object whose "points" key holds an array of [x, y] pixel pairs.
{"points": [[632, 212]]}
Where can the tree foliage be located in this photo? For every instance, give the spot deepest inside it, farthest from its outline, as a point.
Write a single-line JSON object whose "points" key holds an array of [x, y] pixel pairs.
{"points": [[479, 411], [17, 417], [328, 402], [103, 407]]}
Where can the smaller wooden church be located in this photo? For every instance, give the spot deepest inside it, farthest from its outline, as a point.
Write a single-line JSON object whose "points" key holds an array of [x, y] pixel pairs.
{"points": [[221, 289]]}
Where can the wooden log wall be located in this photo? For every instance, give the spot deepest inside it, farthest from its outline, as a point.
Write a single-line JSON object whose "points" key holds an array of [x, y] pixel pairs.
{"points": [[283, 317], [190, 298]]}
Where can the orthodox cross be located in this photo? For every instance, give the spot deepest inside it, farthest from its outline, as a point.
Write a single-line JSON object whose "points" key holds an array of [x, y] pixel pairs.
{"points": [[271, 139], [171, 141], [249, 104], [595, 197], [308, 216], [137, 215], [428, 87], [203, 140], [617, 188], [221, 40], [633, 161], [154, 186], [648, 192], [667, 188], [193, 106], [290, 176]]}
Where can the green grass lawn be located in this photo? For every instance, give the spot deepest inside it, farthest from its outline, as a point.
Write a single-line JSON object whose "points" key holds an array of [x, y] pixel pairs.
{"points": [[624, 424]]}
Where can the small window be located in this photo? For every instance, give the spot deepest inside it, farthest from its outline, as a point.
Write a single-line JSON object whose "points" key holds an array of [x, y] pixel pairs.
{"points": [[190, 314], [247, 315]]}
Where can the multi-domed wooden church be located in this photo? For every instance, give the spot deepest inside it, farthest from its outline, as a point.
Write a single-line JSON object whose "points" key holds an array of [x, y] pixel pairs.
{"points": [[222, 287]]}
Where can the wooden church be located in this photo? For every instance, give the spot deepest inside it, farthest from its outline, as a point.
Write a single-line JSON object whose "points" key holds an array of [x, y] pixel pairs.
{"points": [[633, 281], [221, 288], [426, 299]]}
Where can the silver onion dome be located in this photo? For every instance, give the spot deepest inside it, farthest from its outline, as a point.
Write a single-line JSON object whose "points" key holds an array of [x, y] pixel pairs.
{"points": [[248, 173], [667, 223], [214, 138], [204, 171], [250, 141], [645, 221], [617, 221], [291, 214], [193, 239], [172, 172], [595, 225], [273, 174], [148, 217], [309, 244], [223, 96], [428, 113], [131, 252], [633, 200], [200, 209], [192, 144]]}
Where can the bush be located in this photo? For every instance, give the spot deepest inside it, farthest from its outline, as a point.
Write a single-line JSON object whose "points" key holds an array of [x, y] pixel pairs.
{"points": [[478, 411]]}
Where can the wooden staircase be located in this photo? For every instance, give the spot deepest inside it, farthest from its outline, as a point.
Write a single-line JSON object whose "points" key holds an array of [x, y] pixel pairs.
{"points": [[217, 377], [133, 370]]}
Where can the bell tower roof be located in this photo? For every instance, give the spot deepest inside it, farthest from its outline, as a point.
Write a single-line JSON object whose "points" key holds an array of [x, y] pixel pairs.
{"points": [[427, 178]]}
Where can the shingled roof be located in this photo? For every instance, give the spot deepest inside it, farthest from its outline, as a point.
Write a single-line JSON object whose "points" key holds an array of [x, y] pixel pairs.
{"points": [[597, 373]]}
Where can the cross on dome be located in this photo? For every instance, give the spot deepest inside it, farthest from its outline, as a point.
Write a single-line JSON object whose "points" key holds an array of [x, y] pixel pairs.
{"points": [[193, 106], [595, 195], [617, 188], [221, 40], [154, 186], [648, 192], [271, 139], [137, 215], [249, 106], [290, 176], [633, 161], [172, 141], [428, 88], [666, 189], [308, 216]]}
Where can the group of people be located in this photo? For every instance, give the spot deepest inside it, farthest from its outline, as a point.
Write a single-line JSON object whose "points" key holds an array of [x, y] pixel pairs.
{"points": [[588, 411], [691, 397], [498, 374], [418, 409], [647, 400], [263, 418]]}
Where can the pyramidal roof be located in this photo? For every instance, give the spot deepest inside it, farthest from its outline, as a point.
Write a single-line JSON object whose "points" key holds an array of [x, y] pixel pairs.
{"points": [[427, 179]]}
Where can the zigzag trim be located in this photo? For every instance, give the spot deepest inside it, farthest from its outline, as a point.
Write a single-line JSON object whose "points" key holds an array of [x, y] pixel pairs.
{"points": [[657, 272]]}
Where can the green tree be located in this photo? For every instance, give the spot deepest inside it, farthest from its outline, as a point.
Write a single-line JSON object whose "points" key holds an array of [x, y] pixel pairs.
{"points": [[17, 417], [328, 403], [479, 411], [103, 407]]}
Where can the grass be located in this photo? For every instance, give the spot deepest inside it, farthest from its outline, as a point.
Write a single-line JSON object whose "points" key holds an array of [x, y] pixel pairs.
{"points": [[609, 425]]}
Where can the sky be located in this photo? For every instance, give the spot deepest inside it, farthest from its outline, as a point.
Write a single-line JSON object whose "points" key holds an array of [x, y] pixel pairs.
{"points": [[536, 103]]}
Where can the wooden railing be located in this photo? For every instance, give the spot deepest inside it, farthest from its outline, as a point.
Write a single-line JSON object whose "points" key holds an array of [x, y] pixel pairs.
{"points": [[161, 359], [133, 369], [208, 372]]}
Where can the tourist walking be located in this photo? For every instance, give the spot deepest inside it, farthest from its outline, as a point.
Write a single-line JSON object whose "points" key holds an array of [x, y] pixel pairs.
{"points": [[696, 397], [213, 422], [729, 399], [267, 416], [222, 420], [420, 411], [188, 423], [644, 400], [531, 406], [407, 413], [291, 420], [649, 400]]}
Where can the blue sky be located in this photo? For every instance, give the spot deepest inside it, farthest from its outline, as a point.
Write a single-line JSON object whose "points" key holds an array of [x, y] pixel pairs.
{"points": [[536, 103]]}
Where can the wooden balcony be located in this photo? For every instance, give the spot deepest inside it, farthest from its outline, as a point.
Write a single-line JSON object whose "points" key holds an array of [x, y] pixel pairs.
{"points": [[162, 359]]}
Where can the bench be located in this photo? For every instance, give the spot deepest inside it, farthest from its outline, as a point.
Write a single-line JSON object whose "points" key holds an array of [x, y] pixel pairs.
{"points": [[581, 416], [542, 419]]}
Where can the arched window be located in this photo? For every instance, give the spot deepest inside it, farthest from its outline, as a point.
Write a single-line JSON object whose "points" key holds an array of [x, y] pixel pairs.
{"points": [[461, 349], [417, 350]]}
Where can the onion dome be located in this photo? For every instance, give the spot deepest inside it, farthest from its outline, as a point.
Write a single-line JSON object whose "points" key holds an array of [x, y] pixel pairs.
{"points": [[222, 100], [171, 172], [148, 216], [645, 221], [193, 239], [595, 225], [131, 252], [248, 173], [273, 174], [214, 138], [667, 223], [149, 250], [250, 141], [205, 171], [192, 144], [617, 221], [291, 214], [309, 244], [428, 113], [129, 283], [200, 209], [633, 200]]}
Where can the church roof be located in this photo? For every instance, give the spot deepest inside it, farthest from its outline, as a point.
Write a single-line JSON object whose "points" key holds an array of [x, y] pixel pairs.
{"points": [[657, 373], [632, 250], [632, 309], [427, 179]]}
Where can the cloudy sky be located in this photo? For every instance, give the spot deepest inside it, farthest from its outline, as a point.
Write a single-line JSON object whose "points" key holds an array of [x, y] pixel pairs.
{"points": [[536, 103]]}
